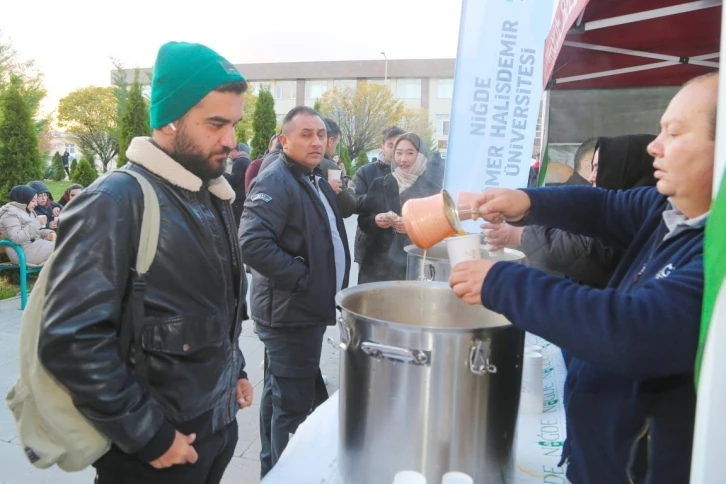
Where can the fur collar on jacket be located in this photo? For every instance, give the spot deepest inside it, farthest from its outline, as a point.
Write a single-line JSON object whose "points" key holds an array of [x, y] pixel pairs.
{"points": [[143, 152]]}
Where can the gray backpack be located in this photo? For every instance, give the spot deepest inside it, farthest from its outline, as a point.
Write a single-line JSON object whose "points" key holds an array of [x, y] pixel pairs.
{"points": [[51, 429]]}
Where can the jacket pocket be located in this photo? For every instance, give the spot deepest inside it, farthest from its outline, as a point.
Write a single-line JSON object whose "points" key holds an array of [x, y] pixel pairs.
{"points": [[281, 299], [182, 336], [186, 358]]}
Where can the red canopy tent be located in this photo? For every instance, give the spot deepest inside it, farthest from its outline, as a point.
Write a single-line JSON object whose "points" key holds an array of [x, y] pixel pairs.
{"points": [[598, 44]]}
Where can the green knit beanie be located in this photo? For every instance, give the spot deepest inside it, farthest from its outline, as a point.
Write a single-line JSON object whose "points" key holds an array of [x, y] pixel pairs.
{"points": [[183, 74]]}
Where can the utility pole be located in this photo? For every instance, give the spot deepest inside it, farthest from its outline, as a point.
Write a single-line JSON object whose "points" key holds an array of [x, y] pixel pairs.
{"points": [[385, 78]]}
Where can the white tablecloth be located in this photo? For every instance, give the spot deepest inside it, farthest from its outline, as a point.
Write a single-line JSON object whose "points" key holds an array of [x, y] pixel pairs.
{"points": [[311, 455]]}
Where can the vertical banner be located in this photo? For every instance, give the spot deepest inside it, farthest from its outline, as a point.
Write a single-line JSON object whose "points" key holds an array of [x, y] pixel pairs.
{"points": [[497, 92]]}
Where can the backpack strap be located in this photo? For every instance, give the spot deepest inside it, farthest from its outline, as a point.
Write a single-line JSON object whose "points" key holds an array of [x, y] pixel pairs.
{"points": [[132, 318]]}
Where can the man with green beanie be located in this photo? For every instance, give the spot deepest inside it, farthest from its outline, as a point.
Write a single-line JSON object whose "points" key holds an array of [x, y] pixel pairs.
{"points": [[169, 408]]}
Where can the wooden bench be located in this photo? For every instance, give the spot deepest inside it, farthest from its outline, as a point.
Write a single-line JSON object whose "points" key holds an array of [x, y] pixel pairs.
{"points": [[22, 267]]}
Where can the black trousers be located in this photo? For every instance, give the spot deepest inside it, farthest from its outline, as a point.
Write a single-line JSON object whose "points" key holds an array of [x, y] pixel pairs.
{"points": [[215, 452], [293, 386]]}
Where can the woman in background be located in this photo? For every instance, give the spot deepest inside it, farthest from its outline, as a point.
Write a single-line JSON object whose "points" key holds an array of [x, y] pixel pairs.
{"points": [[412, 176], [20, 224]]}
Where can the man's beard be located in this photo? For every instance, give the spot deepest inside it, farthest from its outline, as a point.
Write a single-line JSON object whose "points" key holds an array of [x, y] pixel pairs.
{"points": [[191, 157]]}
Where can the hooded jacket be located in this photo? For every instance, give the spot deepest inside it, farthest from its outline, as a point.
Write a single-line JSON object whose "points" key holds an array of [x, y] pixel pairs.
{"points": [[627, 162], [47, 210], [624, 164]]}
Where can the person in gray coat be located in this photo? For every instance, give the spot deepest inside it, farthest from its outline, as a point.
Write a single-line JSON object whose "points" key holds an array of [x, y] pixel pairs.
{"points": [[619, 163]]}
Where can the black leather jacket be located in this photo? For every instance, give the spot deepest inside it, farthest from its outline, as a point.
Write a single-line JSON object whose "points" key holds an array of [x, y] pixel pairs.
{"points": [[194, 307], [285, 237]]}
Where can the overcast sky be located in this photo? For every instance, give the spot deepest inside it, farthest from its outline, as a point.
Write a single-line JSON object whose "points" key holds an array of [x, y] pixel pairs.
{"points": [[72, 40]]}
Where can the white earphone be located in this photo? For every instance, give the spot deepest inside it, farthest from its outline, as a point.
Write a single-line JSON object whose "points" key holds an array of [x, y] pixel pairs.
{"points": [[171, 125]]}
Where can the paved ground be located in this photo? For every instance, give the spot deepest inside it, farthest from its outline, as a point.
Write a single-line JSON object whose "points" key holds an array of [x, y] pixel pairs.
{"points": [[245, 467]]}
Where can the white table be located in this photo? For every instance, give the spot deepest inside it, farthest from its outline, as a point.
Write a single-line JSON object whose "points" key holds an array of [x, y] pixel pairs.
{"points": [[311, 455]]}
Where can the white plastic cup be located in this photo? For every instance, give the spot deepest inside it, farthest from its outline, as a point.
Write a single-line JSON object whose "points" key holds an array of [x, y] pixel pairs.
{"points": [[409, 477], [335, 174], [532, 349], [463, 248], [457, 478], [532, 397]]}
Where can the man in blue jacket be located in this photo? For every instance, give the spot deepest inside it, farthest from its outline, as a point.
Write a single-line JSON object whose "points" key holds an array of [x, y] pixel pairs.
{"points": [[634, 343]]}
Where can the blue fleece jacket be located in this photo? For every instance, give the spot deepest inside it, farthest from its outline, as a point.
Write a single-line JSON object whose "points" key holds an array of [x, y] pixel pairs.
{"points": [[634, 343]]}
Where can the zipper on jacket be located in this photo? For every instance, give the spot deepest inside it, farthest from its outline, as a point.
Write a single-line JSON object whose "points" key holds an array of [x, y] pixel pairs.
{"points": [[659, 242], [234, 247], [328, 231], [643, 434]]}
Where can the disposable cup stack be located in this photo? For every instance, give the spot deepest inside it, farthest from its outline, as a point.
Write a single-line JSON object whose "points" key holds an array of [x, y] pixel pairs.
{"points": [[409, 477], [532, 398], [457, 478]]}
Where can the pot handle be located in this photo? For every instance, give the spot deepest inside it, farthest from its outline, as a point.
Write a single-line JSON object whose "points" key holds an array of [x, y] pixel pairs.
{"points": [[394, 353], [431, 270], [479, 358], [344, 336]]}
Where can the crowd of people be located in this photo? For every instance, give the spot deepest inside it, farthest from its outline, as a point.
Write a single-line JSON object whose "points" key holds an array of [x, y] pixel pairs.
{"points": [[30, 220], [615, 278]]}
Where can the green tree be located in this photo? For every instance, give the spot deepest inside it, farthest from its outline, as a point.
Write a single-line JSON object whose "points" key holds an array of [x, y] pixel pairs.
{"points": [[362, 114], [57, 172], [120, 88], [89, 114], [416, 120], [47, 169], [20, 160], [92, 163], [241, 134], [263, 123], [317, 106], [31, 81], [350, 168], [244, 127], [361, 160], [135, 120], [85, 173], [74, 165]]}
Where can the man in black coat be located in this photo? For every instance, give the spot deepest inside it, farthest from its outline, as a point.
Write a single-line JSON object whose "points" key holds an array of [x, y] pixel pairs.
{"points": [[240, 162], [293, 237], [365, 176], [169, 407]]}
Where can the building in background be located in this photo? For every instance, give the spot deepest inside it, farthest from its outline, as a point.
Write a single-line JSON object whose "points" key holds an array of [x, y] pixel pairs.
{"points": [[419, 83], [60, 141]]}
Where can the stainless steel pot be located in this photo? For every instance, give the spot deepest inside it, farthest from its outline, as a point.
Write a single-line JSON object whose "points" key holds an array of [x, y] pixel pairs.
{"points": [[427, 383], [436, 267]]}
